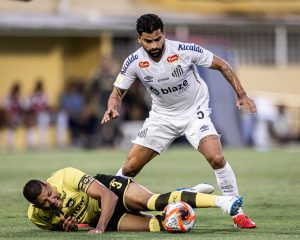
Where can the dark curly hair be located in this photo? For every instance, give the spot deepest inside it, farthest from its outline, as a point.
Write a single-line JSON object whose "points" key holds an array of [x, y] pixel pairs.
{"points": [[33, 189], [149, 23]]}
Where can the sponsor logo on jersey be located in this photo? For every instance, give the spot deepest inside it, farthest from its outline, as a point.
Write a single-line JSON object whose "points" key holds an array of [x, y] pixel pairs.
{"points": [[155, 91], [80, 206], [70, 203], [144, 64], [173, 58], [148, 79], [180, 88], [178, 71], [192, 47], [163, 79], [204, 128], [129, 60], [143, 133]]}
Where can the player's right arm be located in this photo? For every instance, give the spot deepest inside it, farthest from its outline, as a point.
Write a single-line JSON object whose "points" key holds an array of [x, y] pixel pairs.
{"points": [[123, 82], [108, 201], [113, 105]]}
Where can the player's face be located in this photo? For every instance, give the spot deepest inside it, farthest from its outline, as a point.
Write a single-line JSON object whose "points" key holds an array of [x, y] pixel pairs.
{"points": [[153, 43], [49, 199]]}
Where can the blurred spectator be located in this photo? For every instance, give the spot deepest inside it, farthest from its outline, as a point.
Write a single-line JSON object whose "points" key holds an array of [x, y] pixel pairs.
{"points": [[103, 80], [248, 126], [89, 122], [39, 109], [266, 115], [282, 125], [102, 83], [13, 114], [2, 119], [71, 106], [134, 104]]}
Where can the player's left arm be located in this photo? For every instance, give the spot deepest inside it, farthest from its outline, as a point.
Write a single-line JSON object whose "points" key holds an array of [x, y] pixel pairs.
{"points": [[227, 71], [108, 203]]}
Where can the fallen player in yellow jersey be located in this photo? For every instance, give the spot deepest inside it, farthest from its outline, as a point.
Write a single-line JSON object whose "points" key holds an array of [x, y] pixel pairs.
{"points": [[106, 203]]}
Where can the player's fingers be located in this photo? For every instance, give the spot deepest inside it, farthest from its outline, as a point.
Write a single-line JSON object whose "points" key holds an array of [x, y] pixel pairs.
{"points": [[115, 114], [250, 106], [70, 224], [238, 104], [253, 107], [106, 117]]}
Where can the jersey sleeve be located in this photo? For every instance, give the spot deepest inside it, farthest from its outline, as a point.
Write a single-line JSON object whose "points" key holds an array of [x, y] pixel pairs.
{"points": [[199, 55], [77, 180], [127, 74]]}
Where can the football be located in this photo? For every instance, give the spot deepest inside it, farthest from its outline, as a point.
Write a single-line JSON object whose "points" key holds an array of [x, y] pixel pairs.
{"points": [[178, 217]]}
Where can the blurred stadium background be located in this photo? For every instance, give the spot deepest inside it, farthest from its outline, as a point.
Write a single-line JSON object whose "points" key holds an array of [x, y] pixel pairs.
{"points": [[75, 48]]}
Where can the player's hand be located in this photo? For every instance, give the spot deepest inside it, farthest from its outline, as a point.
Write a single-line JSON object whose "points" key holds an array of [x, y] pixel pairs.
{"points": [[109, 115], [69, 223], [96, 231], [246, 102]]}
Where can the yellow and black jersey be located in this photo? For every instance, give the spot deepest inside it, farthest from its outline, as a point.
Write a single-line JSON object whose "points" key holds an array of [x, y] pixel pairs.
{"points": [[72, 185]]}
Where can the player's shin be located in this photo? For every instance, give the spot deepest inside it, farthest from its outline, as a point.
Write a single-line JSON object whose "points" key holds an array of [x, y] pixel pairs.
{"points": [[155, 224], [227, 181], [196, 200]]}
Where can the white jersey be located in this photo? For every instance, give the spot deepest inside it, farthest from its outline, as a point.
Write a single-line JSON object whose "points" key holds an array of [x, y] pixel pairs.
{"points": [[174, 82]]}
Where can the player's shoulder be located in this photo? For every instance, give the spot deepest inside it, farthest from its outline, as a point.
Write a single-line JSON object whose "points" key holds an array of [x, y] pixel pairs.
{"points": [[62, 173], [131, 60], [185, 46]]}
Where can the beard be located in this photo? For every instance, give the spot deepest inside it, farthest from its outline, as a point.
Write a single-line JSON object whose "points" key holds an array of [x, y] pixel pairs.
{"points": [[157, 52]]}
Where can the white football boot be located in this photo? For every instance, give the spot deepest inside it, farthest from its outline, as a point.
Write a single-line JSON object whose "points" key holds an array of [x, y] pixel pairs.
{"points": [[199, 188], [230, 204]]}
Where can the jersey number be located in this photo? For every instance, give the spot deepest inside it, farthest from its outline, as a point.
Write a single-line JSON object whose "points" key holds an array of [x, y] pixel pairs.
{"points": [[114, 183], [200, 115]]}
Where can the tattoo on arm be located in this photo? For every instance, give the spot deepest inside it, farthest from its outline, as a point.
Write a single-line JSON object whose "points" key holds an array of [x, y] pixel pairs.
{"points": [[231, 77]]}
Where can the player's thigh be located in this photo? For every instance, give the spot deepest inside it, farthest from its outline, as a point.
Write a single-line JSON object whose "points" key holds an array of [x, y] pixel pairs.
{"points": [[157, 133], [140, 155], [199, 129], [136, 197], [130, 222]]}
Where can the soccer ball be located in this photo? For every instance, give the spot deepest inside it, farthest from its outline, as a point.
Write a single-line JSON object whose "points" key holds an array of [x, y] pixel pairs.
{"points": [[178, 217]]}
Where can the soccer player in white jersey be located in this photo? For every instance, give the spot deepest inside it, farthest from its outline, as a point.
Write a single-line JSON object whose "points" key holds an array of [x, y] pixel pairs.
{"points": [[179, 102]]}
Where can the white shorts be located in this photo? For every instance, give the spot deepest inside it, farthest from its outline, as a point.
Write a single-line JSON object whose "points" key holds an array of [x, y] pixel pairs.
{"points": [[159, 131]]}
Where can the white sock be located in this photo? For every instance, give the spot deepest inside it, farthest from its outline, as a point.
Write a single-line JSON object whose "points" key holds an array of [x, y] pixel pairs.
{"points": [[219, 200], [120, 173], [226, 180]]}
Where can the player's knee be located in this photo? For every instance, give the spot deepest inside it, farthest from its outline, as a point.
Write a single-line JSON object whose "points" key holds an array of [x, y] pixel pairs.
{"points": [[217, 161]]}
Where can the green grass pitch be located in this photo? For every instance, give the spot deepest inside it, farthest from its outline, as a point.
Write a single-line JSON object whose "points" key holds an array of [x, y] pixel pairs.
{"points": [[269, 183]]}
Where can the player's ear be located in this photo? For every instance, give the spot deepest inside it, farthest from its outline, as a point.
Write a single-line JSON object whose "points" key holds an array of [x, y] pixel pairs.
{"points": [[139, 38]]}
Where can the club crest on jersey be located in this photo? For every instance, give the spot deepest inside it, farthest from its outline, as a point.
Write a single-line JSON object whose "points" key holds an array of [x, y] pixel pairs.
{"points": [[129, 60], [173, 58], [144, 64], [178, 71], [193, 47]]}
